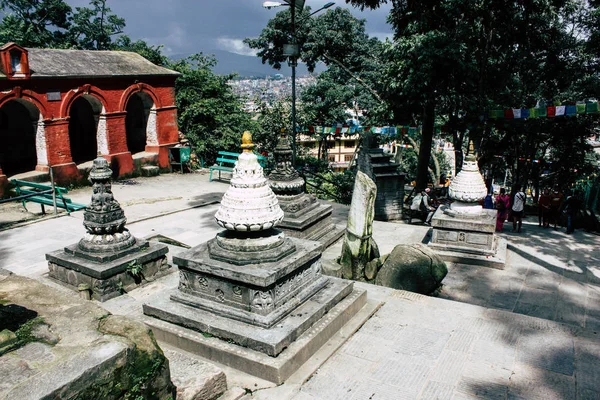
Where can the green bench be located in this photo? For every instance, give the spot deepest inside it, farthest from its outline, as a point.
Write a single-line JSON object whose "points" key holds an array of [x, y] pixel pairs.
{"points": [[226, 161], [42, 194]]}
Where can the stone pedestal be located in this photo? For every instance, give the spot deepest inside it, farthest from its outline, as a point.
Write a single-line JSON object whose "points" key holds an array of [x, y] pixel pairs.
{"points": [[464, 231], [251, 287], [390, 183], [108, 260], [458, 232], [304, 216], [111, 276]]}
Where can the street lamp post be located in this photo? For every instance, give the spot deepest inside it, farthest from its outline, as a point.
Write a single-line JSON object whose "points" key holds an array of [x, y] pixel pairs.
{"points": [[293, 52]]}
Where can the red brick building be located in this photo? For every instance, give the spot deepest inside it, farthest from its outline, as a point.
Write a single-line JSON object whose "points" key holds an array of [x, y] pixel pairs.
{"points": [[61, 108]]}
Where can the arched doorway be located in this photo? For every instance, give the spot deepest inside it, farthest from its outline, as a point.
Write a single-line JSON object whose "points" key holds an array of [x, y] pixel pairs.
{"points": [[136, 122], [18, 127], [83, 125]]}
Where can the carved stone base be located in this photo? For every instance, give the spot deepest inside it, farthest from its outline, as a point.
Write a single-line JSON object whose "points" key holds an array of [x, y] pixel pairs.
{"points": [[268, 341], [466, 234], [111, 278], [259, 294]]}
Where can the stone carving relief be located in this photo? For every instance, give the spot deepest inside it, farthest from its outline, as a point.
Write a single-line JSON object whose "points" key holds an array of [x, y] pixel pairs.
{"points": [[263, 301]]}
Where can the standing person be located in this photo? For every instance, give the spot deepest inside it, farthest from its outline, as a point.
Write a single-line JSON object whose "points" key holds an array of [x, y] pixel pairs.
{"points": [[518, 208], [502, 205], [426, 205], [571, 208], [544, 208], [488, 202], [556, 200]]}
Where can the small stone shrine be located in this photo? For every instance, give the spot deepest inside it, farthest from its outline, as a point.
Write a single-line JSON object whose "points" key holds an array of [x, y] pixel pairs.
{"points": [[464, 231], [253, 298], [304, 216], [390, 183], [108, 260]]}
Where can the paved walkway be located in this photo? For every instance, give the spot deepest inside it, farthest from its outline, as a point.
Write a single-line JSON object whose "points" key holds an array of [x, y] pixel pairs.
{"points": [[486, 344]]}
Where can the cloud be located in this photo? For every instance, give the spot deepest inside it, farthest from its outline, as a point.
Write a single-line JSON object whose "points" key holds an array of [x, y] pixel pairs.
{"points": [[382, 35], [236, 46]]}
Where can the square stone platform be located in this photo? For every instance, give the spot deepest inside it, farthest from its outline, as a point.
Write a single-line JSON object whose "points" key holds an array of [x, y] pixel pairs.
{"points": [[311, 223], [461, 239], [317, 326], [110, 278], [270, 341]]}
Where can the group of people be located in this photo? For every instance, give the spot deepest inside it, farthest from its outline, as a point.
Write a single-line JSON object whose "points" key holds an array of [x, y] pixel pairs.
{"points": [[550, 206], [505, 208]]}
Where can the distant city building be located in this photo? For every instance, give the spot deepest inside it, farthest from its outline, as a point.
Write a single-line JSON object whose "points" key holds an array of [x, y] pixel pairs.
{"points": [[61, 108], [340, 149]]}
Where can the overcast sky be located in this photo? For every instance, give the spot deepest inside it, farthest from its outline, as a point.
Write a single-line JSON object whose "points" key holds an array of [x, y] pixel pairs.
{"points": [[189, 26]]}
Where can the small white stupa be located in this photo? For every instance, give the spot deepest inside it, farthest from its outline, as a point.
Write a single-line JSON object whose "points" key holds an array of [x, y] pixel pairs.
{"points": [[464, 231]]}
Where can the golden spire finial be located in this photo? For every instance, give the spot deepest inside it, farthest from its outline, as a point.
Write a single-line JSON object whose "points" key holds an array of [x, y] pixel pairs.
{"points": [[247, 144]]}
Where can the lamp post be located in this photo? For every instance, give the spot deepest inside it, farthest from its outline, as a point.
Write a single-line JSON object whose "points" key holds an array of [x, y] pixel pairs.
{"points": [[293, 52]]}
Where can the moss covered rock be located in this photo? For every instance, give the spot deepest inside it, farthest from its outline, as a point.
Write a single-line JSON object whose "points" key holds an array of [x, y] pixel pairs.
{"points": [[415, 268]]}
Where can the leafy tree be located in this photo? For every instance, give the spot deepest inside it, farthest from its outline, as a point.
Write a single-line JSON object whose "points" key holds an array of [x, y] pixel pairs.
{"points": [[210, 114], [94, 27], [35, 23], [337, 39]]}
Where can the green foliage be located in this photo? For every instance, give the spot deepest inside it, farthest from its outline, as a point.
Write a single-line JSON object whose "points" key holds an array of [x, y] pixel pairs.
{"points": [[210, 114], [340, 41], [93, 27], [135, 269], [35, 23], [25, 332]]}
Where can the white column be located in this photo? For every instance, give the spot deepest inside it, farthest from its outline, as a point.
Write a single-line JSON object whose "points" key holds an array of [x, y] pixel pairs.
{"points": [[102, 139], [151, 128], [40, 142]]}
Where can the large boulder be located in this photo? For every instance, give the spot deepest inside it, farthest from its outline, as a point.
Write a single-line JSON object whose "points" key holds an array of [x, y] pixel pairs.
{"points": [[415, 268]]}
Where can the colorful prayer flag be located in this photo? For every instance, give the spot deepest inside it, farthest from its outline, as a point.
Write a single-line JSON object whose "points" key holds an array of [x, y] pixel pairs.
{"points": [[571, 110], [560, 110], [525, 113], [533, 112], [591, 108], [516, 113], [580, 108], [551, 111], [508, 114], [541, 111]]}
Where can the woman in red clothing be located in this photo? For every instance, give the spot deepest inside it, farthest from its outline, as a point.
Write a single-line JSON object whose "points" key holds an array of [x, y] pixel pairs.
{"points": [[502, 205], [544, 208]]}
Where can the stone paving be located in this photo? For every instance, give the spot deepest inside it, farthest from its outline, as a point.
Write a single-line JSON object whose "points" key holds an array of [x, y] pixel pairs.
{"points": [[418, 347], [526, 332]]}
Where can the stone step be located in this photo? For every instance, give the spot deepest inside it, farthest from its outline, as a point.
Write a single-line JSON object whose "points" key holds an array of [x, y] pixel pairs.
{"points": [[193, 377], [274, 369], [150, 170]]}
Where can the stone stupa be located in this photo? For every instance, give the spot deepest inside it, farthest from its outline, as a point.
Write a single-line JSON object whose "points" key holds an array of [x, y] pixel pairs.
{"points": [[464, 231], [257, 294], [304, 216], [108, 260]]}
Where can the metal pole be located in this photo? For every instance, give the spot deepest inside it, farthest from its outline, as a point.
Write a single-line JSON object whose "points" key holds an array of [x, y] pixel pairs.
{"points": [[53, 191], [294, 63]]}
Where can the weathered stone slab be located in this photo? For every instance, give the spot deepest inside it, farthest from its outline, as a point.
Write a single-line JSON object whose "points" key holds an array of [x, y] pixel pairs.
{"points": [[497, 260], [109, 279], [274, 369], [78, 350], [195, 379], [269, 341]]}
